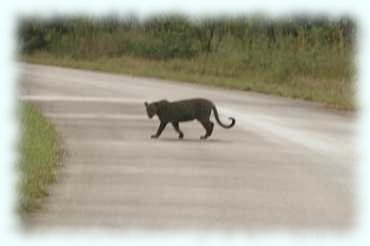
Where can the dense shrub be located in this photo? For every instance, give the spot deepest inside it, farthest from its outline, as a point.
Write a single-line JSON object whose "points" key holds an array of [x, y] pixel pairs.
{"points": [[174, 36]]}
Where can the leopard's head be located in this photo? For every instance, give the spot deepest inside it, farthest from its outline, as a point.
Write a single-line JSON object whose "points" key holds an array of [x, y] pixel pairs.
{"points": [[151, 109]]}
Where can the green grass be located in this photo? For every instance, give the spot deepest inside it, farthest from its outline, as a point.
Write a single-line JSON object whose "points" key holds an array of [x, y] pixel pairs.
{"points": [[40, 155], [329, 83]]}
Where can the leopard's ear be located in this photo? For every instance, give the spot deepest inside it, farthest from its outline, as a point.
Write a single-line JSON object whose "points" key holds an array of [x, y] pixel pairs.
{"points": [[146, 104]]}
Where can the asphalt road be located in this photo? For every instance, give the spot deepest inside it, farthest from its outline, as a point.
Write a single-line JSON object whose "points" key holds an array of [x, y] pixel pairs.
{"points": [[287, 164]]}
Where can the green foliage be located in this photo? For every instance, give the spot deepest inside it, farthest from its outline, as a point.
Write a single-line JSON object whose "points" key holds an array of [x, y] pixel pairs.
{"points": [[167, 37], [39, 156], [173, 36]]}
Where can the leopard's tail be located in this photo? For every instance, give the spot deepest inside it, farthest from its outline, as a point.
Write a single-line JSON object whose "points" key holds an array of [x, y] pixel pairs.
{"points": [[218, 119]]}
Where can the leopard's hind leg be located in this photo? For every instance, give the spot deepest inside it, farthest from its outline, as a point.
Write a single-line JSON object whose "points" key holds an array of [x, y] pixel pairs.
{"points": [[208, 126]]}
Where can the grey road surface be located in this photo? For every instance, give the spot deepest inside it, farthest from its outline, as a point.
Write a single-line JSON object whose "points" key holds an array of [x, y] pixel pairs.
{"points": [[287, 164]]}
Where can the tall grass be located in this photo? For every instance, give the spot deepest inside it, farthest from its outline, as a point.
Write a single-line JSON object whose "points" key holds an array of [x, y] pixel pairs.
{"points": [[314, 55], [40, 154]]}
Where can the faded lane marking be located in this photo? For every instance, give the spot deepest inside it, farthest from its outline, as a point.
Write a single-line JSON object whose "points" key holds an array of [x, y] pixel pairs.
{"points": [[271, 129], [58, 98], [96, 116], [264, 125]]}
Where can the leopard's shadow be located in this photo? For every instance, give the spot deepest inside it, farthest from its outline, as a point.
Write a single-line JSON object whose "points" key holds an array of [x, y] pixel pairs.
{"points": [[193, 140]]}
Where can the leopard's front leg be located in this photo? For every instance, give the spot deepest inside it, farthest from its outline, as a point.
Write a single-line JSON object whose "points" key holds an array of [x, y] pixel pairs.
{"points": [[160, 130]]}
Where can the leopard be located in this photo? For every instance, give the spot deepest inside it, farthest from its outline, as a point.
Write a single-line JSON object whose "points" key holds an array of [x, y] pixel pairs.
{"points": [[174, 112]]}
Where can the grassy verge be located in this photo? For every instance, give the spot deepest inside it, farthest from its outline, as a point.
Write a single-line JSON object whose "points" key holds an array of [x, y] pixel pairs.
{"points": [[214, 70], [40, 156]]}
